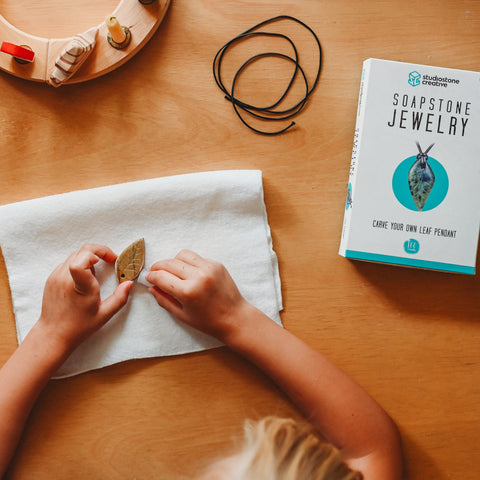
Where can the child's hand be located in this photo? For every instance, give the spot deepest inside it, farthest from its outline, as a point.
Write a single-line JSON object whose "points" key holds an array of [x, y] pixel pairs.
{"points": [[72, 309], [197, 291]]}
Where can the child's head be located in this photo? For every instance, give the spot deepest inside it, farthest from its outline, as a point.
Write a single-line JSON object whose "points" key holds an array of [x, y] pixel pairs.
{"points": [[281, 449]]}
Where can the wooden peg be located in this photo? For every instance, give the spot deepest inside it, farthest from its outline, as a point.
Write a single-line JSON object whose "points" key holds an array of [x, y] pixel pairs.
{"points": [[23, 54], [118, 36]]}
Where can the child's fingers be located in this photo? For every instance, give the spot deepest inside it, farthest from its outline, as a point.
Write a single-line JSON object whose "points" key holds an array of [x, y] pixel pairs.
{"points": [[111, 305], [101, 251], [191, 258], [166, 301], [176, 267], [166, 282], [81, 265], [80, 270]]}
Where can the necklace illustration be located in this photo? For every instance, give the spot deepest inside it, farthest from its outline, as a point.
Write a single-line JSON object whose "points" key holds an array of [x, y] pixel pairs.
{"points": [[421, 178]]}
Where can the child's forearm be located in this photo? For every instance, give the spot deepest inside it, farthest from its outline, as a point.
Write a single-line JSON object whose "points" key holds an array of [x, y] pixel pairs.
{"points": [[72, 310], [338, 407], [22, 379], [201, 293]]}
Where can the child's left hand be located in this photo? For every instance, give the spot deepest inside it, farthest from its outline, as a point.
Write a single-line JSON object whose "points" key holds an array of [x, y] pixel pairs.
{"points": [[72, 308]]}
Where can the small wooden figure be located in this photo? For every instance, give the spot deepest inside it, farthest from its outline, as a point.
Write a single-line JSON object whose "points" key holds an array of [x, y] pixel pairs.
{"points": [[21, 53], [118, 36], [73, 56], [54, 54]]}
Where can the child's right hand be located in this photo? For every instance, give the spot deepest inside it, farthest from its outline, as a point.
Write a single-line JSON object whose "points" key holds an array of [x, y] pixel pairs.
{"points": [[199, 292]]}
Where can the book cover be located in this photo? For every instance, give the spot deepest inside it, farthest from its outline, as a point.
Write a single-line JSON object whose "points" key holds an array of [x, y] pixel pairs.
{"points": [[413, 196]]}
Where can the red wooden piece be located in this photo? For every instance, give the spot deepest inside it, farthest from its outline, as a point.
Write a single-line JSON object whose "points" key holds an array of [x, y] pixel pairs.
{"points": [[17, 51]]}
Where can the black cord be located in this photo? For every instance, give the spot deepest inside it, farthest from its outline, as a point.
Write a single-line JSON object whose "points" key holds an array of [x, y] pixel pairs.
{"points": [[267, 113]]}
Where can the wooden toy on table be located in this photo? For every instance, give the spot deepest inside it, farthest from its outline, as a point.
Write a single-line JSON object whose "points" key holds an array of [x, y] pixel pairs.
{"points": [[119, 36], [22, 54], [58, 61]]}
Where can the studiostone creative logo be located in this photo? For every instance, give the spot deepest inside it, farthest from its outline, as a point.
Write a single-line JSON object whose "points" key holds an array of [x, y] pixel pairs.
{"points": [[414, 78]]}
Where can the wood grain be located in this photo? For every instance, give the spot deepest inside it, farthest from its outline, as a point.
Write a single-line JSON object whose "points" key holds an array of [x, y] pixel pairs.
{"points": [[410, 337]]}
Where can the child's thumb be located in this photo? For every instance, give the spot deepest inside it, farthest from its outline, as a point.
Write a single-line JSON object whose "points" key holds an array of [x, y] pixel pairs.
{"points": [[118, 299]]}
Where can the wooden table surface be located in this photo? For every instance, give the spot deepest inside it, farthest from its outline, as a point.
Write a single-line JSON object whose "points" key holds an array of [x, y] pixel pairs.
{"points": [[410, 337]]}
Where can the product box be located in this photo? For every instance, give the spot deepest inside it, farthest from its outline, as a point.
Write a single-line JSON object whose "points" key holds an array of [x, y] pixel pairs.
{"points": [[413, 194]]}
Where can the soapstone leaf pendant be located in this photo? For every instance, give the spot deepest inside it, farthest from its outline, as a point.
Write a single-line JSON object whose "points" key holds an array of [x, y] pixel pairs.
{"points": [[420, 180], [130, 262]]}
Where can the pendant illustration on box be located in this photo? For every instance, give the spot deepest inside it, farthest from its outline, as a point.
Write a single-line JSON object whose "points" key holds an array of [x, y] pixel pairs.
{"points": [[421, 178], [420, 183]]}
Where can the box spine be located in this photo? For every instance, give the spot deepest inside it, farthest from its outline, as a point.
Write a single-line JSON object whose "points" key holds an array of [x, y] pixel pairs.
{"points": [[349, 204]]}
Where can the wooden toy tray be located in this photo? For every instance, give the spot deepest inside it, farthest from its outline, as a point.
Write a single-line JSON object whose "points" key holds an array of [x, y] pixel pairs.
{"points": [[142, 20]]}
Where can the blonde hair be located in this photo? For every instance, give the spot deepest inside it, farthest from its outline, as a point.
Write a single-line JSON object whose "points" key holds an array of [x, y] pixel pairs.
{"points": [[283, 449]]}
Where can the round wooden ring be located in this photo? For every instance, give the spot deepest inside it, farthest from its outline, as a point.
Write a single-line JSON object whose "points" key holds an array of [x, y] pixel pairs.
{"points": [[142, 20]]}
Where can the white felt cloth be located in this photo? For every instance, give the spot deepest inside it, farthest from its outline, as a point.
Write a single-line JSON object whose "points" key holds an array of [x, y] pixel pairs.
{"points": [[220, 215]]}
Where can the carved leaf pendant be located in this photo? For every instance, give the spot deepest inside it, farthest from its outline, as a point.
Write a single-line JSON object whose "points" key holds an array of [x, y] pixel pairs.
{"points": [[130, 262], [420, 181]]}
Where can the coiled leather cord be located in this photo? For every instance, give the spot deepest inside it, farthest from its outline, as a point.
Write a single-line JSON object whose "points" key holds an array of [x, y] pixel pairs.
{"points": [[272, 112]]}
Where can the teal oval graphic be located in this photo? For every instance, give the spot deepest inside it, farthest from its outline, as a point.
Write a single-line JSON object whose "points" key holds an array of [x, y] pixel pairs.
{"points": [[401, 187]]}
